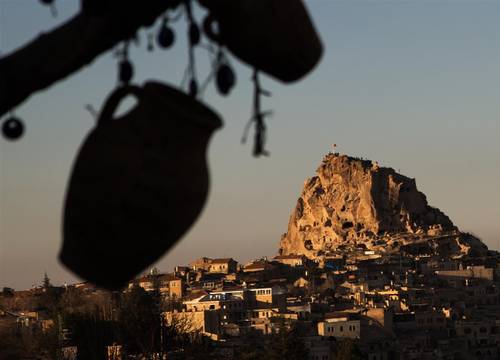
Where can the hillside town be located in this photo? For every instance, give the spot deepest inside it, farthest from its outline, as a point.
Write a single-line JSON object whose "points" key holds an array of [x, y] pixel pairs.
{"points": [[366, 270], [351, 304]]}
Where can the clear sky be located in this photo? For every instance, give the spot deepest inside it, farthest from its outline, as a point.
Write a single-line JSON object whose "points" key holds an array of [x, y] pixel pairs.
{"points": [[412, 84]]}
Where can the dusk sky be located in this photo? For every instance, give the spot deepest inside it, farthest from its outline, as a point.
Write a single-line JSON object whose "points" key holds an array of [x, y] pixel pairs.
{"points": [[414, 85]]}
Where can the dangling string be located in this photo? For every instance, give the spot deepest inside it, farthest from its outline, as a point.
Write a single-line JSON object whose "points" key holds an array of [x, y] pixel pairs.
{"points": [[93, 112], [194, 39], [53, 10], [213, 58], [125, 67], [52, 5], [150, 47], [257, 118]]}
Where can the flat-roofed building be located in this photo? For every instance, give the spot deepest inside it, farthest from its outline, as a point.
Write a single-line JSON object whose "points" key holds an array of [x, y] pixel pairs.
{"points": [[224, 266], [291, 260], [343, 325]]}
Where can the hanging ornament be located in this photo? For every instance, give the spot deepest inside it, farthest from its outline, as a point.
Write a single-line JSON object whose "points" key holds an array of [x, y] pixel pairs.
{"points": [[13, 128], [166, 35], [225, 79], [258, 118]]}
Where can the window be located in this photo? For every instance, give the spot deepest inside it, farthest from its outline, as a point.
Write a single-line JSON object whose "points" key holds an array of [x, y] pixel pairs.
{"points": [[341, 328]]}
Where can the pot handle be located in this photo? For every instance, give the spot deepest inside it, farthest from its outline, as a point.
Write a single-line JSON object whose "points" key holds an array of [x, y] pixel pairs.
{"points": [[114, 100]]}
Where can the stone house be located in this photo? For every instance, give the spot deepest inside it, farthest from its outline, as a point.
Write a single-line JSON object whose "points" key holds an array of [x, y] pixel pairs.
{"points": [[170, 285], [202, 263], [224, 266], [208, 322], [231, 308], [291, 260], [340, 325], [257, 266]]}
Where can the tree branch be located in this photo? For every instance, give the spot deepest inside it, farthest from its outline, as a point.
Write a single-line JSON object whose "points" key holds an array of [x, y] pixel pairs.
{"points": [[53, 56]]}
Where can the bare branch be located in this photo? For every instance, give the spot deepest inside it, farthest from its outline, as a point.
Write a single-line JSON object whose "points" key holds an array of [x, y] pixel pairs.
{"points": [[53, 56]]}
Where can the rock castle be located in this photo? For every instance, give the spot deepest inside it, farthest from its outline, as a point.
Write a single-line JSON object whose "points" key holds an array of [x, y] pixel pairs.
{"points": [[355, 204]]}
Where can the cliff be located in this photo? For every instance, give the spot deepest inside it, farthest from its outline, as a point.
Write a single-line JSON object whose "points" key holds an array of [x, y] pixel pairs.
{"points": [[354, 203]]}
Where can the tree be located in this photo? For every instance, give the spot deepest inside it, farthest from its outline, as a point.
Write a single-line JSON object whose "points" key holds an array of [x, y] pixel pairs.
{"points": [[287, 344], [285, 51], [50, 298], [139, 322], [102, 24], [46, 281], [156, 292], [347, 350], [91, 333], [7, 292], [253, 347], [99, 26]]}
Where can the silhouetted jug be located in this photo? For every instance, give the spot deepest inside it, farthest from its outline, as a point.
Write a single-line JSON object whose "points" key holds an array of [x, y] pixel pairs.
{"points": [[274, 36], [138, 184]]}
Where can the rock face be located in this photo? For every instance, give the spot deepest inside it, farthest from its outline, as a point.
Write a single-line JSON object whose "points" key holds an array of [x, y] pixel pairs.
{"points": [[354, 203]]}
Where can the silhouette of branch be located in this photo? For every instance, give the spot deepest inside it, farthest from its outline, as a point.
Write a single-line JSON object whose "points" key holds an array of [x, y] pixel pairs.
{"points": [[99, 26]]}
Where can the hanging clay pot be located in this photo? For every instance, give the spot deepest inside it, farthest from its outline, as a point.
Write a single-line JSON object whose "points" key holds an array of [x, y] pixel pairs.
{"points": [[138, 184], [274, 36]]}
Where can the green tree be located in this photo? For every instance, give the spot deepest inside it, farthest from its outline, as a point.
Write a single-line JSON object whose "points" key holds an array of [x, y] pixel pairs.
{"points": [[50, 298], [46, 281]]}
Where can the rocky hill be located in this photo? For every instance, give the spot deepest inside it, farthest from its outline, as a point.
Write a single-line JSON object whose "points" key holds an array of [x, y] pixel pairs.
{"points": [[354, 203]]}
